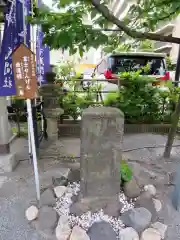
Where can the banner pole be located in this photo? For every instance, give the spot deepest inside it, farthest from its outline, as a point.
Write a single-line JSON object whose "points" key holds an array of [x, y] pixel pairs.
{"points": [[29, 142], [30, 123]]}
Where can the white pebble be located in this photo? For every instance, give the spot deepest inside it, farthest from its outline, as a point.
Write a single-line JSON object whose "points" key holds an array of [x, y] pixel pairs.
{"points": [[151, 189], [157, 204], [161, 228], [86, 220], [32, 213], [79, 234], [150, 234], [59, 191], [128, 234], [63, 229]]}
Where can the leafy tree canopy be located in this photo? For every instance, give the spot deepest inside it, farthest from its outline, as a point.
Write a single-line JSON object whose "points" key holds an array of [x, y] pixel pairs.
{"points": [[77, 24], [129, 46]]}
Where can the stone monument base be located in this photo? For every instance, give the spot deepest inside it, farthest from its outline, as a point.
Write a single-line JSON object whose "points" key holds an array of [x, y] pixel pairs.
{"points": [[52, 128], [111, 206], [8, 162]]}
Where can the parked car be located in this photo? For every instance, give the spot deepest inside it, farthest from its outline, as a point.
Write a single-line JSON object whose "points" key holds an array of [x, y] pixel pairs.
{"points": [[110, 66], [113, 64]]}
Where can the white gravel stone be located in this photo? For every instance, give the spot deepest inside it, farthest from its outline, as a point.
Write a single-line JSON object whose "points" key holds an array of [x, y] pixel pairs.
{"points": [[128, 234], [31, 213], [151, 189], [86, 220], [79, 234], [60, 191], [150, 234], [127, 205], [63, 204], [161, 228], [157, 204], [63, 229]]}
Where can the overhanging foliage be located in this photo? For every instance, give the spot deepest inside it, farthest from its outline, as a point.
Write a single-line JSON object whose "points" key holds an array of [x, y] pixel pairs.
{"points": [[67, 26]]}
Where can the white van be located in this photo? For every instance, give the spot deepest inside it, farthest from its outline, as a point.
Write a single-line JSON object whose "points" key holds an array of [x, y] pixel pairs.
{"points": [[110, 66]]}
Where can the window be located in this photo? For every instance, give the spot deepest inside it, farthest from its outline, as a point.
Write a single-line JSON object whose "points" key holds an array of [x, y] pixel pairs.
{"points": [[118, 64]]}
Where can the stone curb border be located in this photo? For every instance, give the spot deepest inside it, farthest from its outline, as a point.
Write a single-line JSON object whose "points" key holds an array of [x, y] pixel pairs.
{"points": [[71, 129]]}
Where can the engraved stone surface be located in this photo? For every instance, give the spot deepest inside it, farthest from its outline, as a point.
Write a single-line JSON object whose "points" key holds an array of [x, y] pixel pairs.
{"points": [[51, 94], [51, 106], [101, 145]]}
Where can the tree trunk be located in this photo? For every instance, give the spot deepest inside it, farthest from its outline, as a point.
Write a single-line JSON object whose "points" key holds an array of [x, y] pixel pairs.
{"points": [[172, 132], [175, 115]]}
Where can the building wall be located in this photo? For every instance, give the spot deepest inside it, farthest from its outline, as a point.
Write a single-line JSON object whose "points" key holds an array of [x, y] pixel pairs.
{"points": [[120, 9], [90, 57], [175, 47]]}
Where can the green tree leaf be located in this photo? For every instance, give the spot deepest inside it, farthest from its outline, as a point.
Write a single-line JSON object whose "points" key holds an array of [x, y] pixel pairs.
{"points": [[66, 27]]}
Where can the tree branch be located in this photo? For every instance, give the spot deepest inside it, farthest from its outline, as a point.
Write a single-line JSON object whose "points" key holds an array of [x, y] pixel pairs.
{"points": [[101, 8]]}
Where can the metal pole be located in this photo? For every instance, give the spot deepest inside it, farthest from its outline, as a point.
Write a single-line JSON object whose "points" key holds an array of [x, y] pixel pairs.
{"points": [[29, 142], [31, 131], [177, 74], [34, 114], [176, 193]]}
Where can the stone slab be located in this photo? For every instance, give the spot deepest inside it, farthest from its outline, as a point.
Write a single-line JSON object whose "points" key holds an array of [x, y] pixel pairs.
{"points": [[5, 133], [101, 146], [8, 162], [101, 231]]}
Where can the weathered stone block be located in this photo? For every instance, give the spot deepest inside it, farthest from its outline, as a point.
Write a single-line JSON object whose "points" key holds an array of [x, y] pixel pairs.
{"points": [[101, 146]]}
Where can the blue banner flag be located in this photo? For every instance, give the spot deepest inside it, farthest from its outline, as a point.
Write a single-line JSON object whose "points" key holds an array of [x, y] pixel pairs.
{"points": [[13, 36], [42, 55]]}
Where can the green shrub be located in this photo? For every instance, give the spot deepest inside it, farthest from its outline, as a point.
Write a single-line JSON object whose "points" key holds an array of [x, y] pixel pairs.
{"points": [[125, 172], [111, 99], [139, 100]]}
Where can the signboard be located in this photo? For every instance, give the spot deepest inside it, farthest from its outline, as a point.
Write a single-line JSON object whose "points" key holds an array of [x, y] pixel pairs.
{"points": [[24, 67]]}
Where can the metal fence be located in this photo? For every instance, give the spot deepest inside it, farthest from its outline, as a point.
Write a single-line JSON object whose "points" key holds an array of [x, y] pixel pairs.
{"points": [[92, 90], [98, 89]]}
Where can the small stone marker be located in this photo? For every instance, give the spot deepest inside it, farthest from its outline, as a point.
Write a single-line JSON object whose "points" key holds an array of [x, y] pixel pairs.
{"points": [[59, 191], [150, 234], [63, 229], [161, 228], [31, 213], [78, 234], [101, 146], [137, 218], [128, 234], [101, 231]]}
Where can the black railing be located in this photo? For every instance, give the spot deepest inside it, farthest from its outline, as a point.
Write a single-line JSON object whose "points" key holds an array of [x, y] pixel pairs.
{"points": [[163, 111], [39, 123], [18, 115]]}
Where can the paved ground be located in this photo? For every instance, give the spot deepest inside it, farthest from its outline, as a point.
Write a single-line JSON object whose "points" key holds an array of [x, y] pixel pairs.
{"points": [[17, 190]]}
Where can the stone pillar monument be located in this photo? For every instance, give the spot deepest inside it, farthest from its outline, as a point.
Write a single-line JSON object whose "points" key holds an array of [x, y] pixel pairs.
{"points": [[7, 160], [101, 149], [52, 110]]}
